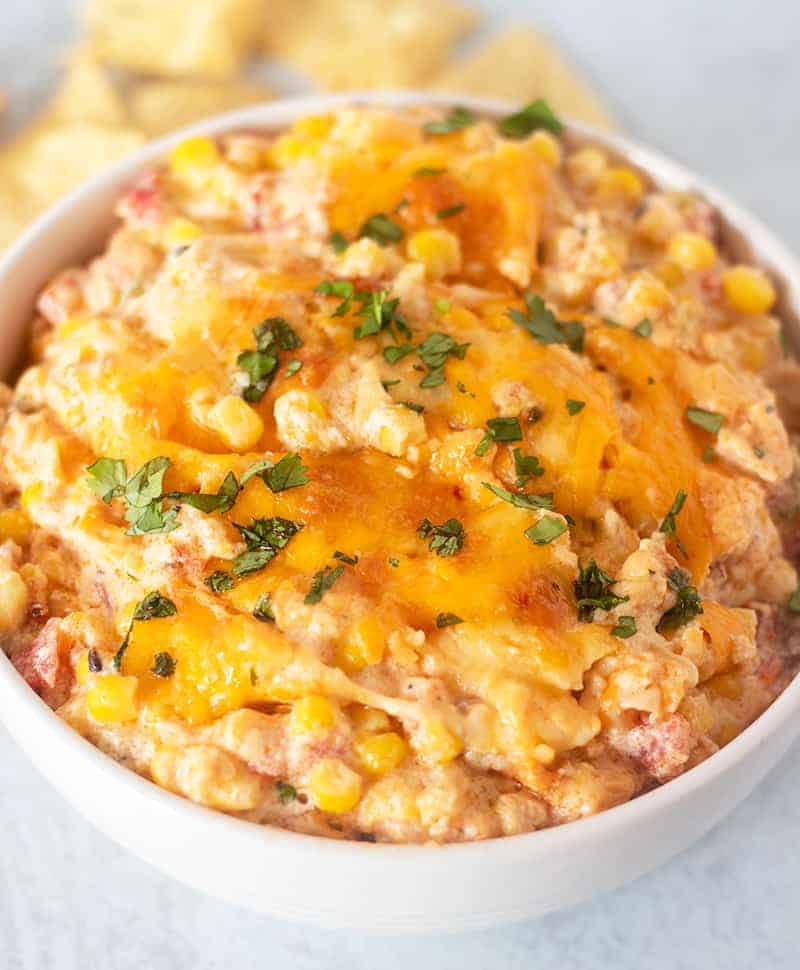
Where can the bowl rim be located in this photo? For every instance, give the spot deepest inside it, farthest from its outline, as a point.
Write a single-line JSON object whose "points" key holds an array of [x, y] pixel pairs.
{"points": [[503, 850]]}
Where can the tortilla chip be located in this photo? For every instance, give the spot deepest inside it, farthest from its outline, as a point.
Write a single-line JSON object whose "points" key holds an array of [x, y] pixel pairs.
{"points": [[87, 93], [522, 65], [366, 43], [57, 157], [161, 106], [175, 37]]}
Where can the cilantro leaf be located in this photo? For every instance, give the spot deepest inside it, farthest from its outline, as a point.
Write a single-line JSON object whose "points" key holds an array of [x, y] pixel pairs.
{"points": [[573, 407], [107, 477], [457, 119], [526, 466], [163, 664], [546, 529], [529, 502], [427, 170], [643, 328], [707, 420], [322, 582], [593, 591], [153, 606], [543, 324], [220, 501], [669, 526], [344, 289], [379, 313], [447, 619], [338, 242], [263, 538], [687, 606], [626, 627], [445, 539], [286, 792], [450, 211], [538, 114], [343, 557], [499, 429], [381, 229], [144, 500], [794, 601], [293, 367], [394, 353], [263, 609], [275, 330], [289, 472], [219, 581]]}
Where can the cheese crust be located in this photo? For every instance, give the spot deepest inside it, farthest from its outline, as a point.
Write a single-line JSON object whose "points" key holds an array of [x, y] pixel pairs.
{"points": [[387, 482]]}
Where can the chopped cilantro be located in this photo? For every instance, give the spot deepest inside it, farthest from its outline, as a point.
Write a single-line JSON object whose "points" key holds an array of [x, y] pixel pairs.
{"points": [[758, 451], [289, 472], [457, 119], [707, 420], [343, 557], [413, 406], [442, 305], [447, 619], [220, 501], [387, 384], [263, 538], [450, 211], [107, 478], [163, 665], [395, 352], [593, 591], [626, 627], [153, 606], [219, 581], [381, 229], [669, 525], [338, 242], [526, 466], [499, 429], [708, 454], [687, 605], [344, 289], [433, 352], [529, 501], [263, 609], [644, 328], [544, 326], [794, 601], [286, 792], [261, 365], [538, 114], [573, 406], [546, 529], [293, 367], [393, 562], [322, 582], [427, 170], [143, 493], [445, 539], [379, 313]]}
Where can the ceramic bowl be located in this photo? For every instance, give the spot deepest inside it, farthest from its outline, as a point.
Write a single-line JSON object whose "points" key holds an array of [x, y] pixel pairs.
{"points": [[383, 888]]}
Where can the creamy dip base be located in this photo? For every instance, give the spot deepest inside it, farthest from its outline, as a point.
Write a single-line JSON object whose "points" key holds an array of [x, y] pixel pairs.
{"points": [[404, 477]]}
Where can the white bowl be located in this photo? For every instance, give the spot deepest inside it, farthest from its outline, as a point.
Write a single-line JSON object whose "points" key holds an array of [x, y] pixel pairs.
{"points": [[391, 888]]}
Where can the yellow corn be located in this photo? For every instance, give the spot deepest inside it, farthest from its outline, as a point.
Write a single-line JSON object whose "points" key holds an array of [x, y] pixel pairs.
{"points": [[691, 251], [235, 422], [180, 232], [438, 250], [369, 719], [304, 139], [192, 157], [312, 714], [82, 672], [436, 742], [30, 495], [15, 525], [112, 699], [546, 147], [586, 165], [333, 786], [620, 182], [381, 753], [748, 290], [364, 645], [668, 272]]}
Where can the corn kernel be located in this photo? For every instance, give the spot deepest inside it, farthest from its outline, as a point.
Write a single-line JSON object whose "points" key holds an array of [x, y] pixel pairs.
{"points": [[365, 643], [436, 742], [112, 699], [181, 232], [748, 290], [369, 719], [438, 250], [192, 157], [333, 786], [691, 251], [546, 147], [82, 672], [31, 494], [14, 525], [620, 182], [586, 165], [13, 599], [312, 714], [381, 753], [239, 426], [669, 273]]}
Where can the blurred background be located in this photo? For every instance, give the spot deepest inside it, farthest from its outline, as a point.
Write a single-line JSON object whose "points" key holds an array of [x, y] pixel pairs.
{"points": [[714, 83]]}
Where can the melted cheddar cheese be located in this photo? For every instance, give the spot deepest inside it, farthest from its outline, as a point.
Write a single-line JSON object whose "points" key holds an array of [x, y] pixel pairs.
{"points": [[505, 407]]}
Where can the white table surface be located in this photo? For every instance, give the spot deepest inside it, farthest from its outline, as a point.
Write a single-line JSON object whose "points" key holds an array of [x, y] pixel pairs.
{"points": [[717, 84]]}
